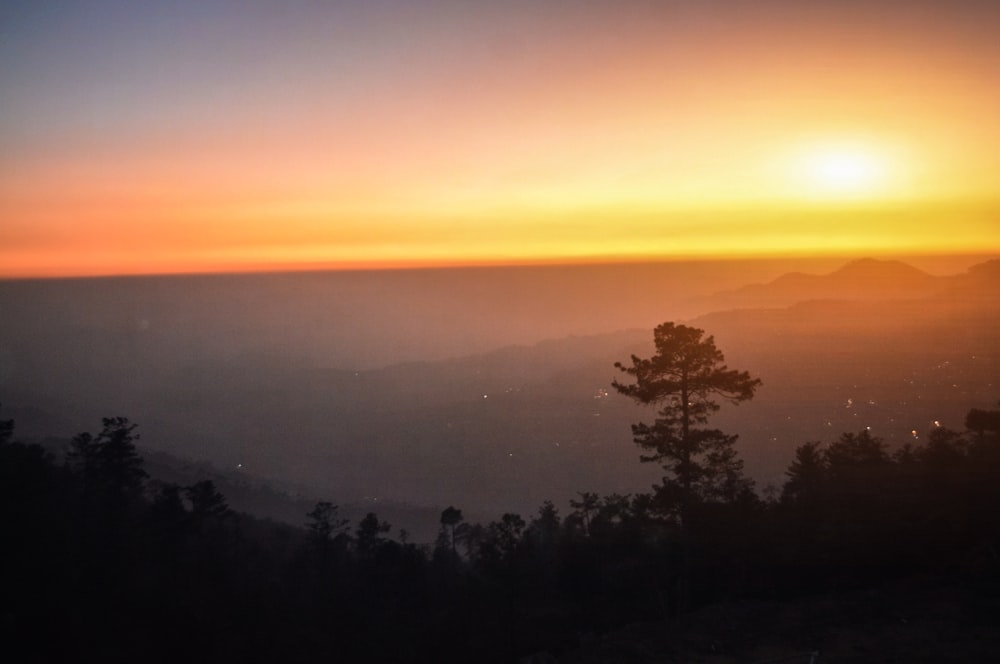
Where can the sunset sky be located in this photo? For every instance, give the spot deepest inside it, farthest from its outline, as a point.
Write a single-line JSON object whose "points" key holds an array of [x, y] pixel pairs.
{"points": [[140, 137]]}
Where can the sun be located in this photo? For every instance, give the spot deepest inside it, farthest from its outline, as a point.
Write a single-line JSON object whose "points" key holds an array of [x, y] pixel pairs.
{"points": [[840, 171], [844, 171]]}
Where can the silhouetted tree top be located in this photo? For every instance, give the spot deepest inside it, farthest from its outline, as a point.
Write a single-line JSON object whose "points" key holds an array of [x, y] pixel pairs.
{"points": [[369, 533], [945, 448], [324, 523], [853, 451], [450, 518], [206, 501], [981, 421], [585, 508], [6, 430], [805, 473], [547, 522], [505, 534], [167, 505], [109, 463], [685, 364], [82, 456], [684, 378]]}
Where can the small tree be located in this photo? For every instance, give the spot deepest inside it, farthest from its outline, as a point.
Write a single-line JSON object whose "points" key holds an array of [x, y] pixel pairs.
{"points": [[168, 522], [982, 421], [109, 465], [450, 518], [83, 460], [324, 524], [120, 461], [6, 431], [369, 534], [207, 503], [806, 475], [543, 531], [853, 454], [502, 539], [585, 508], [685, 378]]}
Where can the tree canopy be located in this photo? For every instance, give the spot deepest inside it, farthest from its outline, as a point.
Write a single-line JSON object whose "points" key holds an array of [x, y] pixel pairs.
{"points": [[686, 378]]}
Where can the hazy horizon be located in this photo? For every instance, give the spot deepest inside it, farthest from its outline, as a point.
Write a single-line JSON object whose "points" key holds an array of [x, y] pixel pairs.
{"points": [[930, 262], [414, 386]]}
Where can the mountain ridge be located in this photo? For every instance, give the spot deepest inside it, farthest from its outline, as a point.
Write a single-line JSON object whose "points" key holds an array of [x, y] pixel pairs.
{"points": [[865, 279]]}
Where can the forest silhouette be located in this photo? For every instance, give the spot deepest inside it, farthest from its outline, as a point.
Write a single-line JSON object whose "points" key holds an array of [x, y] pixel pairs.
{"points": [[103, 563]]}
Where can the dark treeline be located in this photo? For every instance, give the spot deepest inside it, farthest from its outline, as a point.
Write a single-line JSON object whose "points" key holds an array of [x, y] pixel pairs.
{"points": [[102, 563]]}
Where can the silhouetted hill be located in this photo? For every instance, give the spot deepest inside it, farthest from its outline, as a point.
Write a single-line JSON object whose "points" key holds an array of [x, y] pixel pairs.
{"points": [[982, 280], [271, 498], [866, 279], [891, 272]]}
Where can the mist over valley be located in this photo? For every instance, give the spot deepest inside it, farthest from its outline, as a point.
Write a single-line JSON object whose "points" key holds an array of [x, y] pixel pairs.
{"points": [[487, 388]]}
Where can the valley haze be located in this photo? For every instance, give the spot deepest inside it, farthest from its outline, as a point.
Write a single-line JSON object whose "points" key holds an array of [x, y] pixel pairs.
{"points": [[489, 388]]}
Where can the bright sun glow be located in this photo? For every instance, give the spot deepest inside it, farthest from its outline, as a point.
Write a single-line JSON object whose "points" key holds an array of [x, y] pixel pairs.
{"points": [[845, 171], [842, 172]]}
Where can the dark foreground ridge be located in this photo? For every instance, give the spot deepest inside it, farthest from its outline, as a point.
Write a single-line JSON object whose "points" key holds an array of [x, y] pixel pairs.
{"points": [[866, 555]]}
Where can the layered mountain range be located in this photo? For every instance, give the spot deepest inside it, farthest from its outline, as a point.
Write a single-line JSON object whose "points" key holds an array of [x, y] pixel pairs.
{"points": [[874, 344]]}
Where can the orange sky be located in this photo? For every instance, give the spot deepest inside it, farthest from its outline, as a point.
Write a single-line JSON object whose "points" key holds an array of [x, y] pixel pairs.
{"points": [[199, 137]]}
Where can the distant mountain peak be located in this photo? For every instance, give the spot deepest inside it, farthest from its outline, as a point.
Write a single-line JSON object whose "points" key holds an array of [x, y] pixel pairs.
{"points": [[990, 268], [862, 279], [873, 268]]}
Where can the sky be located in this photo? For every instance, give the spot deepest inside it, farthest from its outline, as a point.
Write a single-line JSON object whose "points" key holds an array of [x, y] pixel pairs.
{"points": [[150, 137]]}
